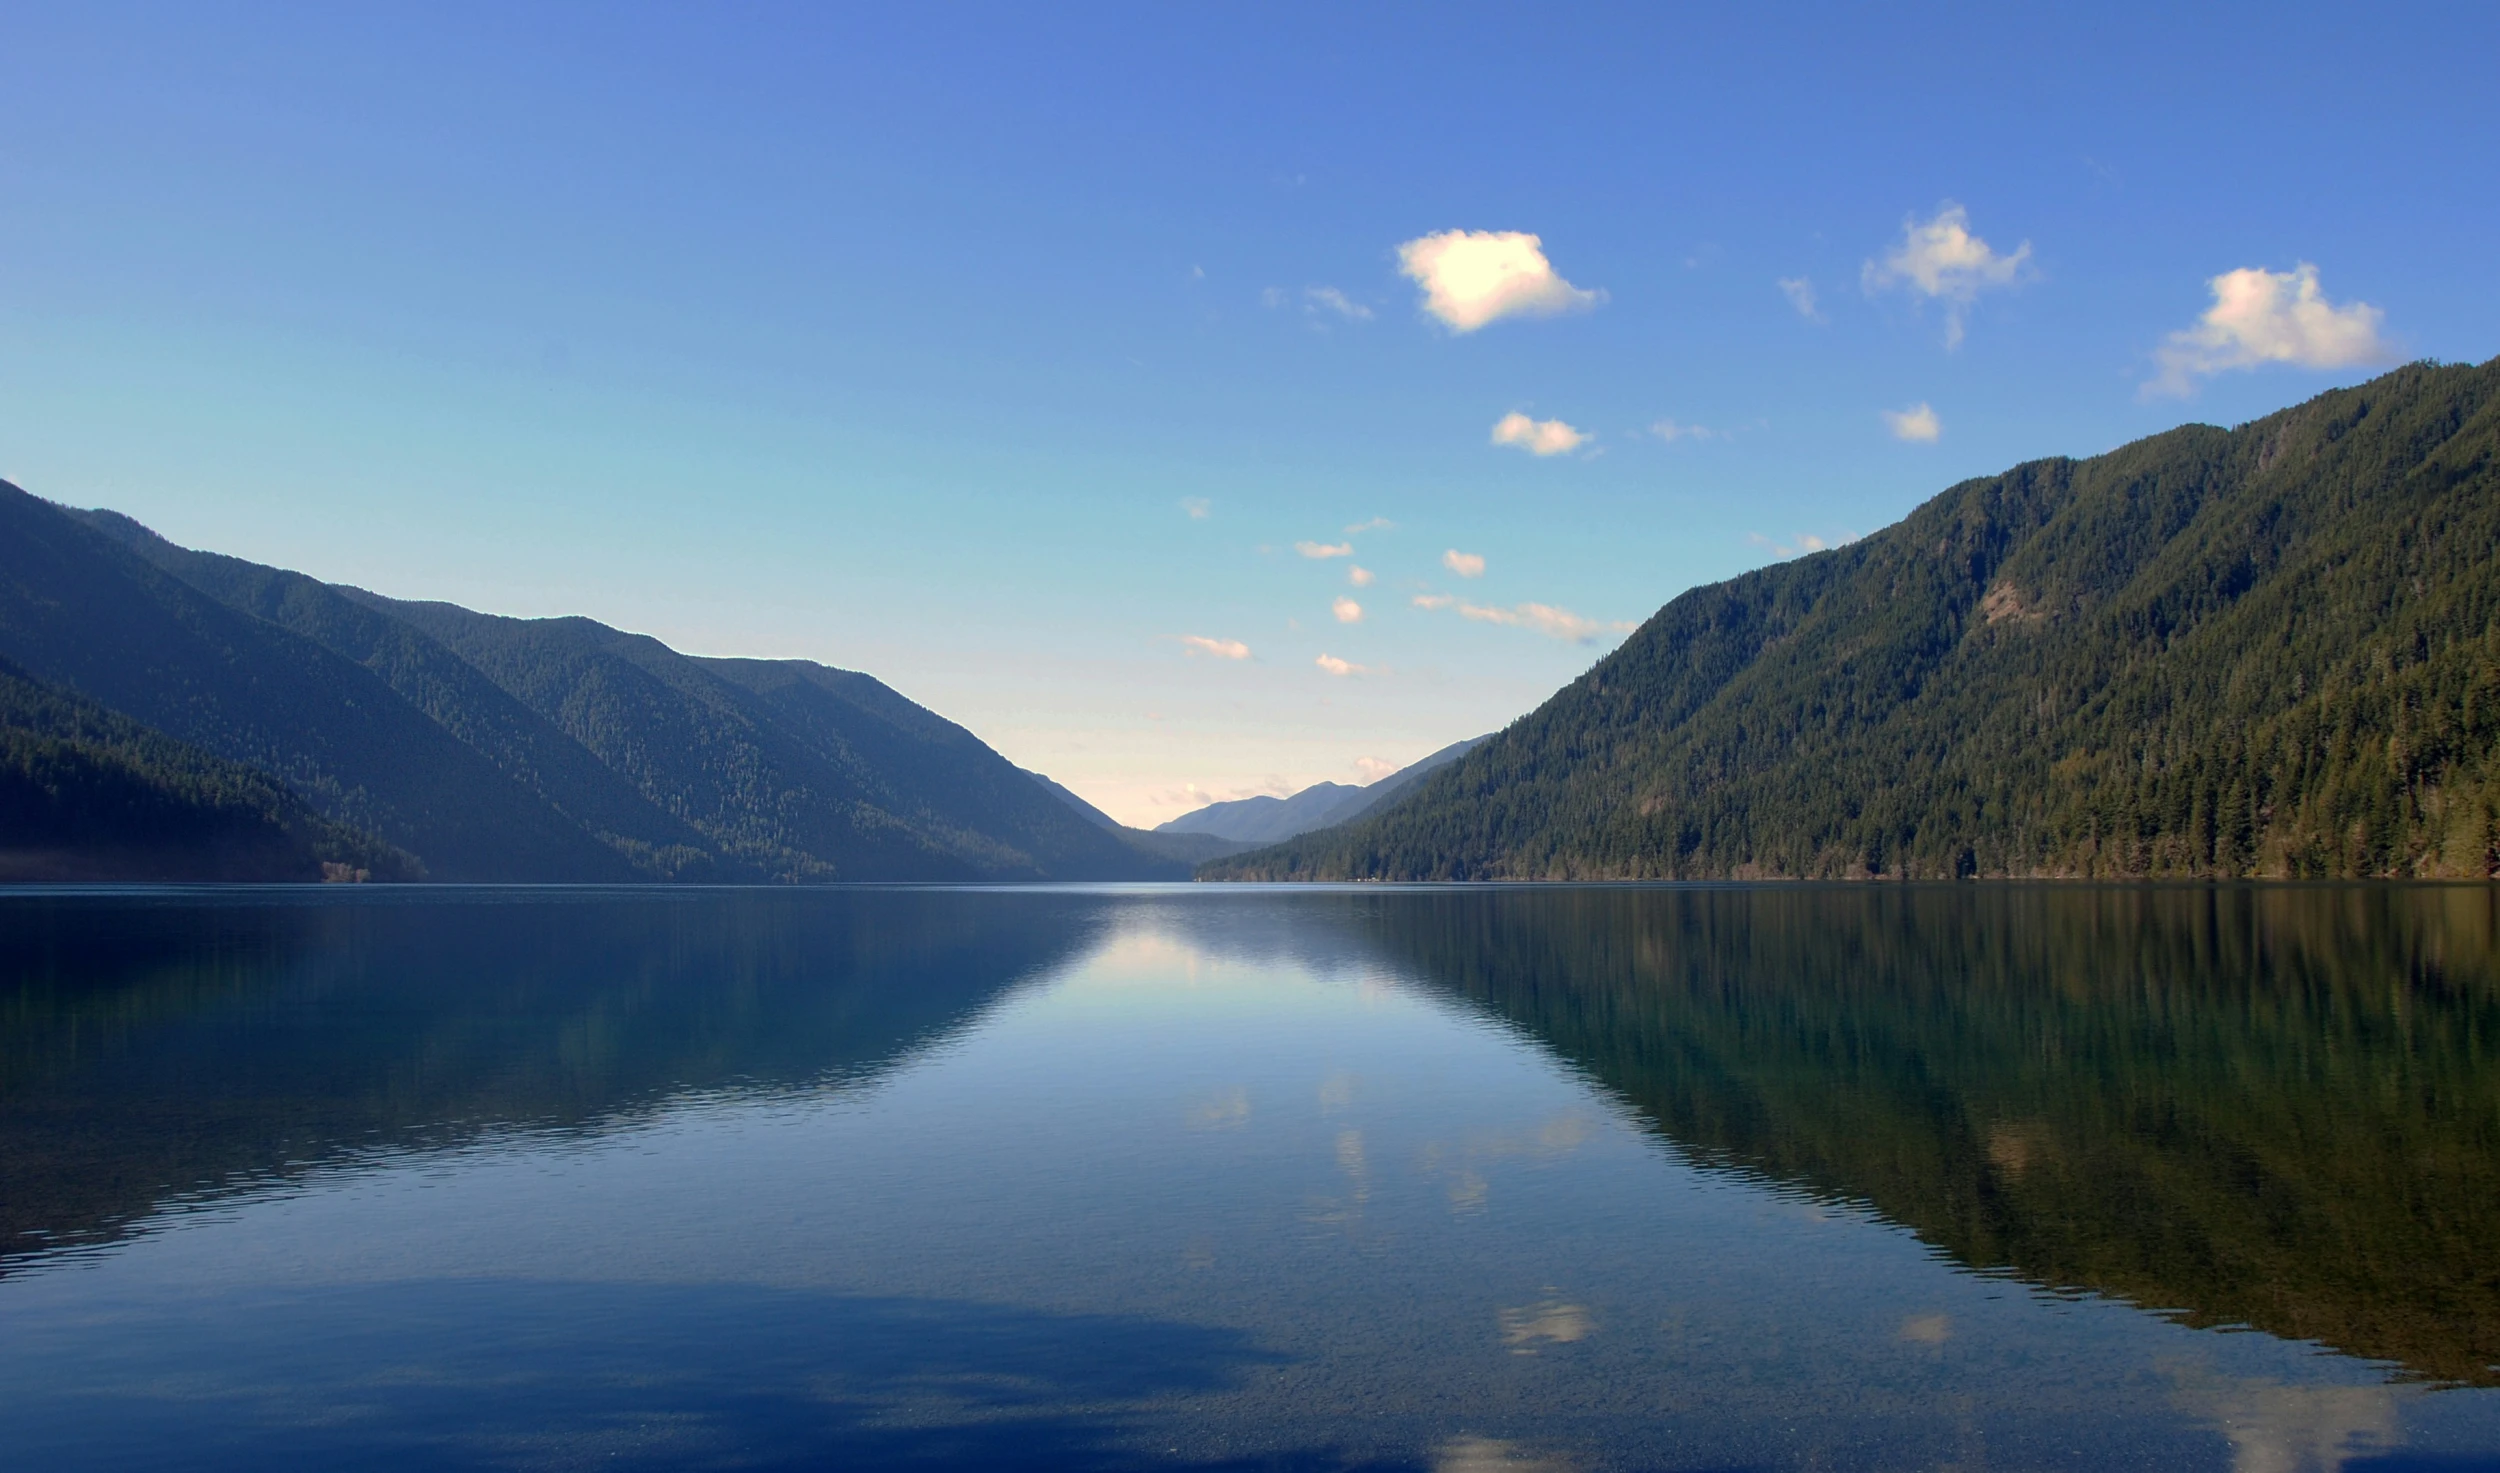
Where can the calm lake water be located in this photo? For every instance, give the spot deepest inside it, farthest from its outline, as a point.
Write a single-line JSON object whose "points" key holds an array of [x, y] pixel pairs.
{"points": [[1564, 1178]]}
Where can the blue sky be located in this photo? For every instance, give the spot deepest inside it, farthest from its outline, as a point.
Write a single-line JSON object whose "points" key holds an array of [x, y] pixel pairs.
{"points": [[1000, 352]]}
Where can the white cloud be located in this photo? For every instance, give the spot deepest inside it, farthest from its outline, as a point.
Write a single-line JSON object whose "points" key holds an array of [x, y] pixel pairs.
{"points": [[1537, 436], [1918, 422], [1316, 297], [1198, 507], [2261, 316], [1324, 549], [1472, 277], [1222, 649], [1464, 564], [1803, 542], [1670, 431], [1273, 297], [1800, 294], [1376, 524], [1943, 261], [1374, 768], [1360, 577], [1335, 666], [1545, 619], [1346, 610]]}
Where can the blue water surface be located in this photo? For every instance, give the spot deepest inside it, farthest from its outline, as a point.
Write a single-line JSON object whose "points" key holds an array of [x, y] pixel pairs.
{"points": [[1452, 1178]]}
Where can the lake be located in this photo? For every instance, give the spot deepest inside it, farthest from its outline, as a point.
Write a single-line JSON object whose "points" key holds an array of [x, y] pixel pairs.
{"points": [[1365, 1177]]}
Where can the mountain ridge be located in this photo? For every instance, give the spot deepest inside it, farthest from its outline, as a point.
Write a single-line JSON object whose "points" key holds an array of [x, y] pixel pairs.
{"points": [[509, 750], [1266, 819], [80, 610], [2270, 650]]}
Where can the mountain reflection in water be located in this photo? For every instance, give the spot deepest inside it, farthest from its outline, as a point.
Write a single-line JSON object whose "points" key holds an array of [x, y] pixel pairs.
{"points": [[169, 1047], [1160, 1168], [2277, 1107]]}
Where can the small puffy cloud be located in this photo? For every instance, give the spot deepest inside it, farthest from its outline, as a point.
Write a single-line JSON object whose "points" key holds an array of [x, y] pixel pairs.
{"points": [[1671, 431], [1222, 649], [1346, 610], [1374, 769], [1941, 260], [1328, 298], [1537, 436], [1324, 549], [1464, 564], [1335, 666], [1917, 423], [1274, 297], [2260, 317], [1433, 601], [1198, 507], [1359, 576], [1376, 524], [1472, 277], [1800, 294]]}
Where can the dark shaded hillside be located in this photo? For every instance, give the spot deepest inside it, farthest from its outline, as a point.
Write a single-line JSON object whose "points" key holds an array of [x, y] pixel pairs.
{"points": [[549, 750], [451, 693], [88, 795], [913, 760], [801, 771], [2273, 650], [78, 609]]}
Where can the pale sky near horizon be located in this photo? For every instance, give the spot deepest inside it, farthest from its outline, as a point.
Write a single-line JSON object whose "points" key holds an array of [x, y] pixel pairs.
{"points": [[1191, 403]]}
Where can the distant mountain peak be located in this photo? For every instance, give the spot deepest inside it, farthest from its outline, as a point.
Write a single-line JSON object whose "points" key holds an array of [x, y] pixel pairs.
{"points": [[1267, 820]]}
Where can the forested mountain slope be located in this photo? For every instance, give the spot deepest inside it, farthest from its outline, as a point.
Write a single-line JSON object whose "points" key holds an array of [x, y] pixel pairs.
{"points": [[2273, 650], [450, 693], [78, 609], [527, 750], [793, 768], [89, 795]]}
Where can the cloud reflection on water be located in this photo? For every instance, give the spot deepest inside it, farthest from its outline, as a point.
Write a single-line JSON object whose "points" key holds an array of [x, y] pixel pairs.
{"points": [[2276, 1428]]}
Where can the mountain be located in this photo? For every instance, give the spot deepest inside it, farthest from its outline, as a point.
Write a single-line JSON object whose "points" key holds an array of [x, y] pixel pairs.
{"points": [[79, 609], [1397, 784], [1265, 820], [1191, 849], [89, 795], [2272, 650], [526, 750], [1087, 811], [1179, 848], [786, 767]]}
